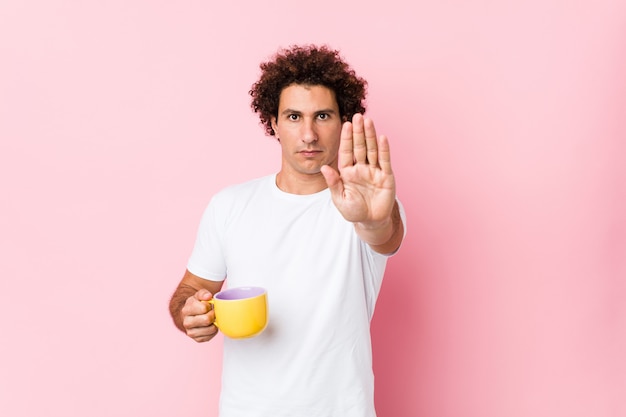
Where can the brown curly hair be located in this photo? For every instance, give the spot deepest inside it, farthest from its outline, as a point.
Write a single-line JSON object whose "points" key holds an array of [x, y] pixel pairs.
{"points": [[307, 65]]}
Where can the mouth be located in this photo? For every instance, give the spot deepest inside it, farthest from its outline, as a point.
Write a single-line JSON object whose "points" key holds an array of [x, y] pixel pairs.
{"points": [[309, 153]]}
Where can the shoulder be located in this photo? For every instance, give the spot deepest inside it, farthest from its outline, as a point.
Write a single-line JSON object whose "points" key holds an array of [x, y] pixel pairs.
{"points": [[244, 190], [234, 200]]}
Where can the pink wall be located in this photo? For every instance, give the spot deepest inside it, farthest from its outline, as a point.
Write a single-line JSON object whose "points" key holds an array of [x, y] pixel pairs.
{"points": [[119, 119]]}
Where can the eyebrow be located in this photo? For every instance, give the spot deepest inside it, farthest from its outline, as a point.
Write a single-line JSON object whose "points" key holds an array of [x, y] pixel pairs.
{"points": [[294, 111]]}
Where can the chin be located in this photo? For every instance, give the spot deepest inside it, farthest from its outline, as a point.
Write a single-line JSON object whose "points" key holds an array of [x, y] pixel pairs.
{"points": [[315, 171]]}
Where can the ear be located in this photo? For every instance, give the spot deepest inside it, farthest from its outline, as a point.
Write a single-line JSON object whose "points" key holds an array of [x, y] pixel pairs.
{"points": [[274, 126]]}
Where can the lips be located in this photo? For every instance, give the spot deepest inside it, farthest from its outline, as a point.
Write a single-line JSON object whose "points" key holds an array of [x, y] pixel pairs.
{"points": [[309, 152]]}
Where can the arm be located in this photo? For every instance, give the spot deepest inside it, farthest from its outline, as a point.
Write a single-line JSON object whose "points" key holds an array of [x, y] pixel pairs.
{"points": [[190, 312], [363, 188], [387, 237]]}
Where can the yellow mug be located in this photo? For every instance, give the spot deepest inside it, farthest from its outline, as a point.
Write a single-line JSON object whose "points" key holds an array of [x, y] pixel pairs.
{"points": [[240, 312]]}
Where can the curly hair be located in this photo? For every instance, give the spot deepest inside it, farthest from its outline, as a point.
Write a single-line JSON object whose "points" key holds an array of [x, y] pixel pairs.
{"points": [[307, 65]]}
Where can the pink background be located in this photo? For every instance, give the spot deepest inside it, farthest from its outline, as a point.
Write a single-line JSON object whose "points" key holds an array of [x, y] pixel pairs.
{"points": [[119, 119]]}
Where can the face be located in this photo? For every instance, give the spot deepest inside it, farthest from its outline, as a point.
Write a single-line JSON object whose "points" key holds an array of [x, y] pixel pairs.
{"points": [[308, 127]]}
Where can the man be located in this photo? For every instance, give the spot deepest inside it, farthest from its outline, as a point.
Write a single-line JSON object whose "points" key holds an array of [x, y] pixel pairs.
{"points": [[316, 235]]}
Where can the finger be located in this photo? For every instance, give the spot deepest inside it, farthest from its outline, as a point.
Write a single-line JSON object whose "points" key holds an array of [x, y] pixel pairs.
{"points": [[201, 328], [194, 307], [203, 295], [333, 180], [358, 139], [203, 334], [198, 321], [370, 141], [345, 158], [384, 154]]}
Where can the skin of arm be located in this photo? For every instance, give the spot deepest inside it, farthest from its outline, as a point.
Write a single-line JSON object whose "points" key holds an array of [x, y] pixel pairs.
{"points": [[189, 310], [392, 227]]}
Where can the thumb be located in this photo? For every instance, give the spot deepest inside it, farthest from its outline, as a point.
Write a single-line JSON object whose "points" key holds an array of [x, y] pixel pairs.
{"points": [[333, 180], [203, 295]]}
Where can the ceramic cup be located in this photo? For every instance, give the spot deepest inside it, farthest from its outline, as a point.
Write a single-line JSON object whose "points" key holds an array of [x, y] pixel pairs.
{"points": [[240, 312]]}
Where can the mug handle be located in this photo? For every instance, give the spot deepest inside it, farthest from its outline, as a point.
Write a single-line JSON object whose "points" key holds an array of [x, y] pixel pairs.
{"points": [[212, 302]]}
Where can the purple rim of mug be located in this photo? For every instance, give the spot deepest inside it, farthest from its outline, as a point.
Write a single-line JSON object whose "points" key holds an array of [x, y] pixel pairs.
{"points": [[240, 293]]}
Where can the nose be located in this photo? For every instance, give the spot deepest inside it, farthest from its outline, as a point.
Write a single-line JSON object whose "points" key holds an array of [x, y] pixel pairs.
{"points": [[309, 133]]}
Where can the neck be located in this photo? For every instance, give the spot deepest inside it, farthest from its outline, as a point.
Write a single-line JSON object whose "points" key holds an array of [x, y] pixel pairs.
{"points": [[302, 185]]}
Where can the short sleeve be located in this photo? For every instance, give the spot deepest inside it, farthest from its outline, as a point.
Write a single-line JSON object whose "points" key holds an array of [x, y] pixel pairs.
{"points": [[207, 258]]}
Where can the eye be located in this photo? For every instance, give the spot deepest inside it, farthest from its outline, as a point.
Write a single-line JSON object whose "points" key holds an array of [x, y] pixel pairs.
{"points": [[293, 117], [323, 116]]}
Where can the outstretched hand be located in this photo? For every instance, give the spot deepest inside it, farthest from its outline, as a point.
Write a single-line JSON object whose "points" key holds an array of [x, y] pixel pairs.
{"points": [[363, 188]]}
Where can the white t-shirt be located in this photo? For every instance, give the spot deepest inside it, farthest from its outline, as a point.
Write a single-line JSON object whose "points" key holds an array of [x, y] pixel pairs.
{"points": [[314, 358]]}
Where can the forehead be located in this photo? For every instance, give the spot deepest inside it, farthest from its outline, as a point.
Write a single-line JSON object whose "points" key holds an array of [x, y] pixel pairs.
{"points": [[307, 97]]}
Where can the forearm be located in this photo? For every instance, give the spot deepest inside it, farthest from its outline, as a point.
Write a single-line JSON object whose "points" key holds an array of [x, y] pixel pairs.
{"points": [[384, 237], [180, 296]]}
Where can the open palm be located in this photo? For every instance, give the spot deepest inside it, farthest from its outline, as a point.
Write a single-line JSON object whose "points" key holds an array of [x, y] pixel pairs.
{"points": [[363, 188]]}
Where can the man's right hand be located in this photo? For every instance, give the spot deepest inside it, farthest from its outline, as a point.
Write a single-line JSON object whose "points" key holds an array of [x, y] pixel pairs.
{"points": [[198, 317], [190, 309]]}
